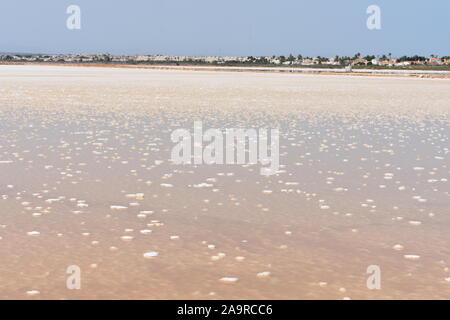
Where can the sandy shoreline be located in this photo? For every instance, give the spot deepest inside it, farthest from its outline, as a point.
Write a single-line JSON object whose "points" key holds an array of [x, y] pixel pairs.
{"points": [[289, 70]]}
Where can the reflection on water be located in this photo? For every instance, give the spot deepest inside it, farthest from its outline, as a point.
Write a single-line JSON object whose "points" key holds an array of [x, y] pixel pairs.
{"points": [[85, 179]]}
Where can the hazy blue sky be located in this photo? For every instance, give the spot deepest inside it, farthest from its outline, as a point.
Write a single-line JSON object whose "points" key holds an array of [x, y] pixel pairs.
{"points": [[232, 27]]}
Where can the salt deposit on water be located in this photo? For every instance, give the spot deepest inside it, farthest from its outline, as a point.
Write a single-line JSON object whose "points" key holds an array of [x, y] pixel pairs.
{"points": [[411, 256], [33, 292], [229, 280], [118, 207], [151, 254], [88, 180]]}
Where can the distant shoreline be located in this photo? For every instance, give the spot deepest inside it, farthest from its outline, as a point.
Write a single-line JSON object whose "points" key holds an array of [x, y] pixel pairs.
{"points": [[433, 74]]}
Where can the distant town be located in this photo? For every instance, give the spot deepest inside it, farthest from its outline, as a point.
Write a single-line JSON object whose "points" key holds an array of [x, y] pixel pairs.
{"points": [[357, 61]]}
